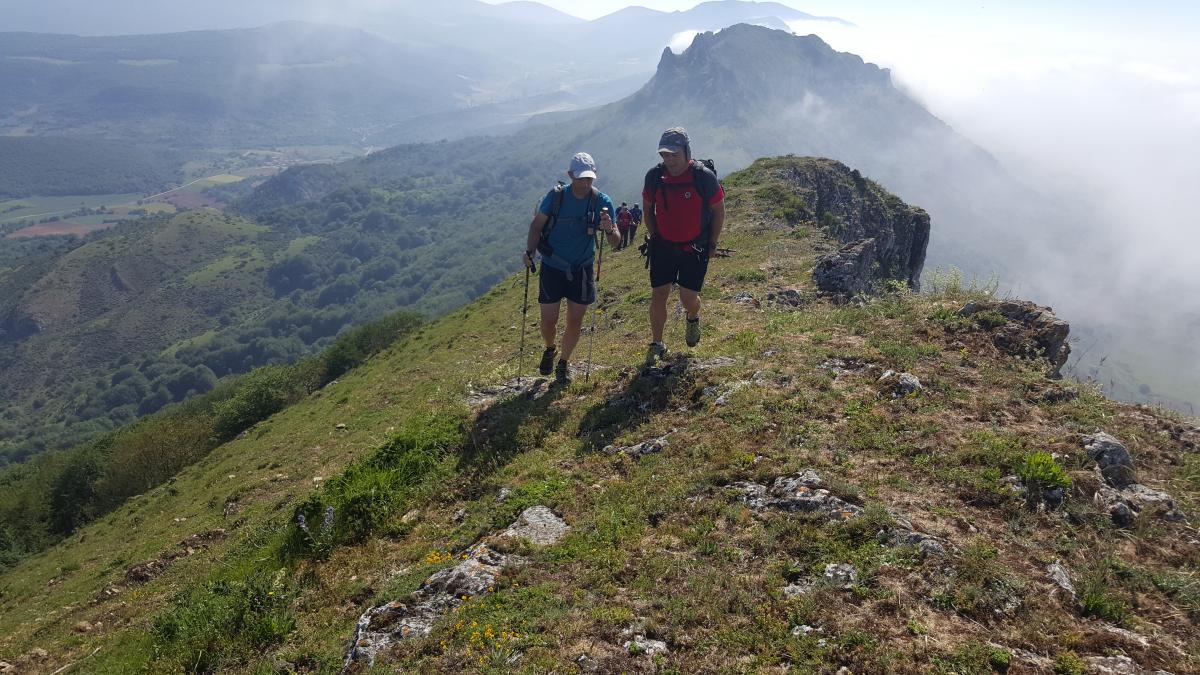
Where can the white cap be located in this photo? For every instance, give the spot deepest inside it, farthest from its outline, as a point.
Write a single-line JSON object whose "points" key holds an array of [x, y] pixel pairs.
{"points": [[583, 166]]}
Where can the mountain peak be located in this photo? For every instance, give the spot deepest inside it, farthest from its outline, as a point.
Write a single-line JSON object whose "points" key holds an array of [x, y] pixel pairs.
{"points": [[725, 69]]}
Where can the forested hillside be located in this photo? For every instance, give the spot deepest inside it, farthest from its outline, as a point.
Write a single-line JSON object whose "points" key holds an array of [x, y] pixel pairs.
{"points": [[75, 166]]}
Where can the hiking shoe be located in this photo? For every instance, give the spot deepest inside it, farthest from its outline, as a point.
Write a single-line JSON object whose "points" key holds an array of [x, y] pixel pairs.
{"points": [[692, 335], [547, 363], [657, 352], [562, 372]]}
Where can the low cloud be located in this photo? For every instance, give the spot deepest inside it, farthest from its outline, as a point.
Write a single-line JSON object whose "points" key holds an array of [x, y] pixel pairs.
{"points": [[1108, 128], [682, 40]]}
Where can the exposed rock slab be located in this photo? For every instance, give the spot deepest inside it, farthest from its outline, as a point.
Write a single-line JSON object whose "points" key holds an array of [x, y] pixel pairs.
{"points": [[642, 645], [647, 447], [379, 628], [1120, 494], [535, 387], [799, 493], [539, 525]]}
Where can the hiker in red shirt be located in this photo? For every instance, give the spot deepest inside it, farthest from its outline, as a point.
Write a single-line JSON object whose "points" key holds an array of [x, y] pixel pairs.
{"points": [[624, 223], [684, 208]]}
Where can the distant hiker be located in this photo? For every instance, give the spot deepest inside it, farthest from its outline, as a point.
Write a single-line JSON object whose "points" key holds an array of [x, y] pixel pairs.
{"points": [[624, 222], [562, 231], [685, 211], [636, 214]]}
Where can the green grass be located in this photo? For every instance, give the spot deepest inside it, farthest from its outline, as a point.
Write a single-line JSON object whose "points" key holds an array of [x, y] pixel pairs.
{"points": [[247, 258], [659, 544]]}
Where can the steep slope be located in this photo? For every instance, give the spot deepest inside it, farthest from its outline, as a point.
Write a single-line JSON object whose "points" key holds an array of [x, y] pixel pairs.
{"points": [[806, 510]]}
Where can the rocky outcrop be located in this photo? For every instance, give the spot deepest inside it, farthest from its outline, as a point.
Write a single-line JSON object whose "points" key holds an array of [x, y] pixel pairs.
{"points": [[1112, 459], [882, 237], [849, 271], [1030, 330], [382, 627], [1119, 493]]}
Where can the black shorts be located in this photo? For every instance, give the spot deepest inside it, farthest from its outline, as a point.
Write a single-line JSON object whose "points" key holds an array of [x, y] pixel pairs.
{"points": [[669, 263], [553, 285]]}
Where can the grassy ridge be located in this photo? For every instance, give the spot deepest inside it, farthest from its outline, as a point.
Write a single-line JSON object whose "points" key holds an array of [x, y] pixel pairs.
{"points": [[661, 543]]}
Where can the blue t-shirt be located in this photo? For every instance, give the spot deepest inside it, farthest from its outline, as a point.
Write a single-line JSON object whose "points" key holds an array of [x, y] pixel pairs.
{"points": [[569, 238]]}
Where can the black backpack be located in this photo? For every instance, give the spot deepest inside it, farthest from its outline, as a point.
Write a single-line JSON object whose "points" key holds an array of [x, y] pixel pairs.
{"points": [[591, 217], [699, 165]]}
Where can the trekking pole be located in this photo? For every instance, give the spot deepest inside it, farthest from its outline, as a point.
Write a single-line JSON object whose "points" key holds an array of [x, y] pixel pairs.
{"points": [[524, 321], [587, 373]]}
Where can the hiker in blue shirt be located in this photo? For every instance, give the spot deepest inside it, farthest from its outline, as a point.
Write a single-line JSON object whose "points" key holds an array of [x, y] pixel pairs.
{"points": [[563, 232]]}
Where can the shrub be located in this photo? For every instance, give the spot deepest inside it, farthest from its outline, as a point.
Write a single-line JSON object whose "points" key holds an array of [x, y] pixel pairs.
{"points": [[222, 619], [259, 395], [1069, 663], [1041, 473], [352, 348], [989, 319], [948, 282], [1096, 599], [976, 657], [981, 586], [362, 500]]}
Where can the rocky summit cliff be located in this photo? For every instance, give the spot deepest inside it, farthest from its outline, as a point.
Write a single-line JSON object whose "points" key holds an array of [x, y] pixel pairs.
{"points": [[889, 484]]}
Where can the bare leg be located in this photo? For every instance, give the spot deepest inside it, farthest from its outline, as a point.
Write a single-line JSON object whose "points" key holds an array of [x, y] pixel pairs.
{"points": [[691, 302], [549, 324], [658, 311], [575, 314]]}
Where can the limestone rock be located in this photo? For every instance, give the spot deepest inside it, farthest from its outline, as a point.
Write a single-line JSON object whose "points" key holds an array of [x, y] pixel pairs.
{"points": [[798, 589], [529, 386], [926, 545], [854, 209], [745, 299], [1125, 504], [539, 525], [1112, 665], [1112, 458], [850, 270], [801, 492], [641, 644], [1061, 578], [647, 447], [902, 384], [380, 627], [843, 575], [787, 298]]}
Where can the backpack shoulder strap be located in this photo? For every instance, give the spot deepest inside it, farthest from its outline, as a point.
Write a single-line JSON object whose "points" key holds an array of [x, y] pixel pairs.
{"points": [[701, 175], [556, 202]]}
